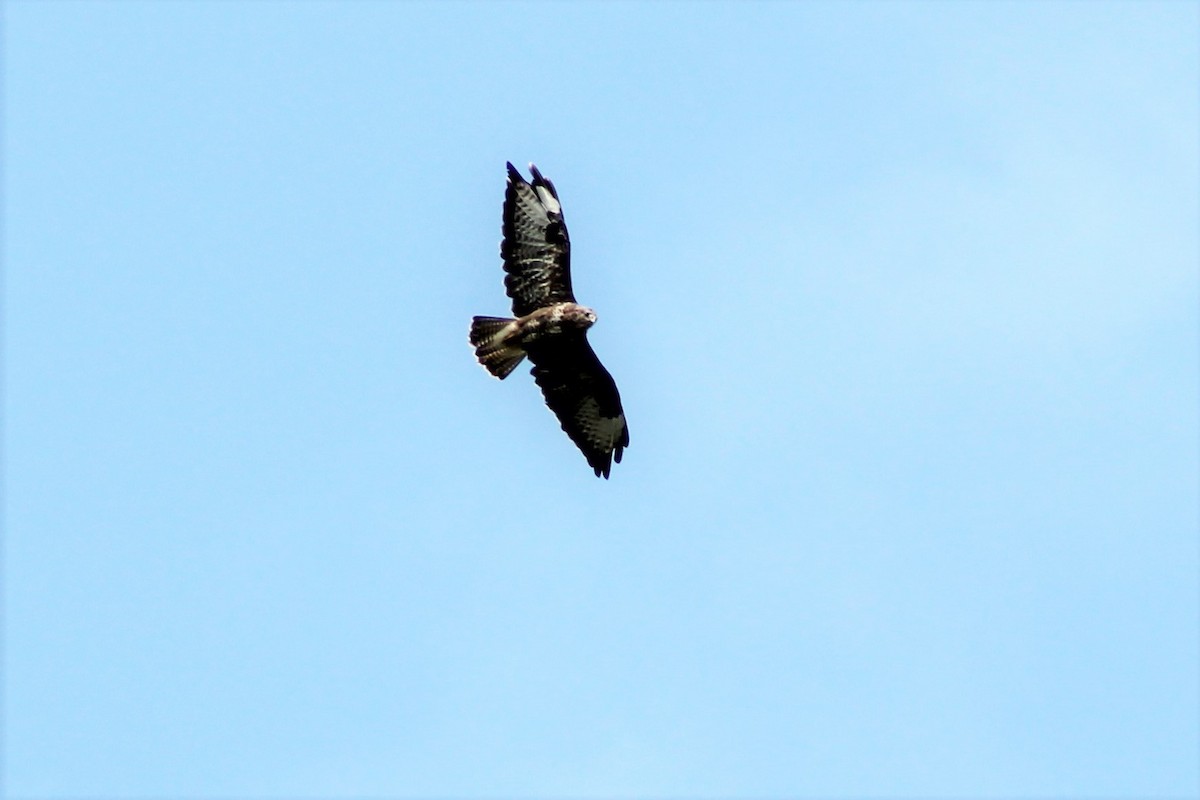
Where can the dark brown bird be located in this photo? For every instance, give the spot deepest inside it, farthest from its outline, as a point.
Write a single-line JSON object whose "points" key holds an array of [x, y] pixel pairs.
{"points": [[549, 327]]}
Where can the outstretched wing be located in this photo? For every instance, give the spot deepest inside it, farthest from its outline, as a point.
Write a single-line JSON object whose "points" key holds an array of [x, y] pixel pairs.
{"points": [[535, 248], [583, 396]]}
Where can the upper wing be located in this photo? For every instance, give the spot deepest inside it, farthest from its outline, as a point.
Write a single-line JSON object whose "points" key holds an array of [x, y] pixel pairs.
{"points": [[535, 248], [583, 396]]}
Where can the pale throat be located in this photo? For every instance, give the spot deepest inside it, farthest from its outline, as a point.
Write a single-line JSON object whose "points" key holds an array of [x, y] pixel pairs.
{"points": [[555, 319]]}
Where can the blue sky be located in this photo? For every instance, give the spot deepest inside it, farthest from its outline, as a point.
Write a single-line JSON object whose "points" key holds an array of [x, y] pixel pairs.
{"points": [[901, 300]]}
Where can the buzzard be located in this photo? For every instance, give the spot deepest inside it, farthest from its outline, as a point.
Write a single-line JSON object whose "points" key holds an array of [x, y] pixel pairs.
{"points": [[549, 326]]}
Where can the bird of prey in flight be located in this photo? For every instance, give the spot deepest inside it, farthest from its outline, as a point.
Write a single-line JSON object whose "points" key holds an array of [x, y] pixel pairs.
{"points": [[548, 326]]}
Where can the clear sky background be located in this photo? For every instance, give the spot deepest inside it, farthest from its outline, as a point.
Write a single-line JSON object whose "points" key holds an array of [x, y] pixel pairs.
{"points": [[902, 300]]}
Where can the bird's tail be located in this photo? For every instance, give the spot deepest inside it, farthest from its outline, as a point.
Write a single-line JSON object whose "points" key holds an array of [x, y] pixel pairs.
{"points": [[488, 336]]}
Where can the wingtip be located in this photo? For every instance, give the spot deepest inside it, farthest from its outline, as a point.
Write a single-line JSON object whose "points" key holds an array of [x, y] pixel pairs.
{"points": [[602, 465], [545, 190], [537, 179]]}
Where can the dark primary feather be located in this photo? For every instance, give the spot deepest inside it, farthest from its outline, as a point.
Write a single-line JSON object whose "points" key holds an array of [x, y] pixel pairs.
{"points": [[584, 397], [536, 248]]}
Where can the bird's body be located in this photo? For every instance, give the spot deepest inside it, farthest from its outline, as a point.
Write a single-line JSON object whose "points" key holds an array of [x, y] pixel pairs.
{"points": [[550, 328]]}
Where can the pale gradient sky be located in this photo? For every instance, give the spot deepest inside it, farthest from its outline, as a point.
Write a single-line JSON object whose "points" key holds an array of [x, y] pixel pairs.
{"points": [[902, 300]]}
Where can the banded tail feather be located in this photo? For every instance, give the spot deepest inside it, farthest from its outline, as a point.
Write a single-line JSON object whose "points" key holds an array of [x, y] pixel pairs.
{"points": [[488, 336]]}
